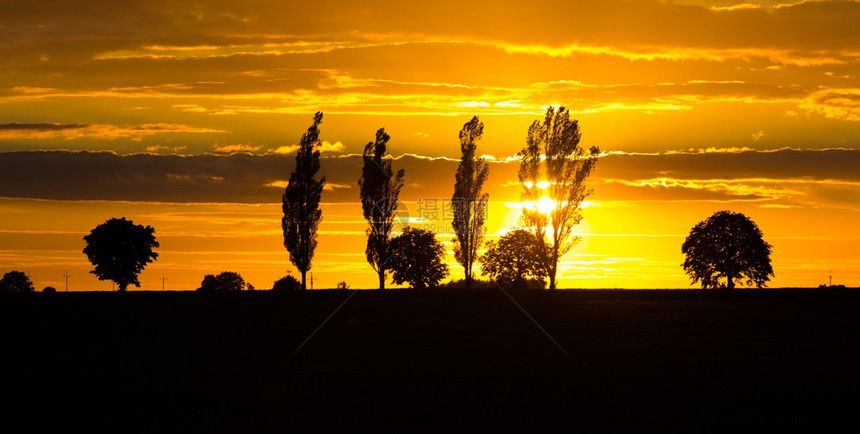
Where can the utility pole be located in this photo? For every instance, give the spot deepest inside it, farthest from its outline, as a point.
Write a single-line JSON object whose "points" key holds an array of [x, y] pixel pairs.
{"points": [[162, 281], [66, 275], [831, 278], [312, 280]]}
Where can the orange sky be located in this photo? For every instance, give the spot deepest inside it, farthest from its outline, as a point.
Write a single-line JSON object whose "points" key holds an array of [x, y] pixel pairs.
{"points": [[698, 105]]}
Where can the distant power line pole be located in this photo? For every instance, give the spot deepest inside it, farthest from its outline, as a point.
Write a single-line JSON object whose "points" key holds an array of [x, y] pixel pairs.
{"points": [[312, 280], [66, 275], [162, 281], [831, 277]]}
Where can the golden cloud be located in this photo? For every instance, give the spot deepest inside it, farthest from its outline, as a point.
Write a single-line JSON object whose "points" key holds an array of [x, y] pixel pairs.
{"points": [[164, 148], [843, 104], [95, 131], [232, 149], [756, 188], [334, 186], [327, 146], [285, 149]]}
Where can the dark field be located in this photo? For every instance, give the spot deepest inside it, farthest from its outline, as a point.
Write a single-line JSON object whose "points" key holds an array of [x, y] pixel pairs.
{"points": [[431, 360]]}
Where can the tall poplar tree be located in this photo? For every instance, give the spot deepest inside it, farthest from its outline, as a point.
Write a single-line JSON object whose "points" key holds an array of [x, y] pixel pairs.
{"points": [[554, 167], [379, 188], [301, 202], [469, 202]]}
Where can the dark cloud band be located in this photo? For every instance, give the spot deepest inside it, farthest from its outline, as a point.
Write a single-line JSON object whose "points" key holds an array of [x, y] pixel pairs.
{"points": [[246, 178], [40, 127]]}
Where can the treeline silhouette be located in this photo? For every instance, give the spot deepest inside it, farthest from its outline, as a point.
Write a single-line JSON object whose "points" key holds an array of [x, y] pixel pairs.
{"points": [[722, 251]]}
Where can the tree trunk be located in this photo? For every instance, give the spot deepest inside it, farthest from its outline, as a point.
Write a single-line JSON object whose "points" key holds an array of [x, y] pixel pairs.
{"points": [[552, 272], [730, 281], [122, 287], [381, 278], [304, 284], [468, 278]]}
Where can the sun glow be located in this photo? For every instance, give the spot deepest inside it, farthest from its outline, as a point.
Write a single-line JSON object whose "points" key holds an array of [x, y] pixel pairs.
{"points": [[543, 185], [545, 205]]}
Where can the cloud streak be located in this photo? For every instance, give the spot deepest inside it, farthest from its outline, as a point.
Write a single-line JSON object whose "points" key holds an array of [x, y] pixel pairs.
{"points": [[42, 131]]}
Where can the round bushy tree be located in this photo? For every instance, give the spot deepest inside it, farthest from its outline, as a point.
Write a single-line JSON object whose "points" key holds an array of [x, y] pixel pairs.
{"points": [[417, 258], [516, 259], [16, 281], [119, 250], [727, 247]]}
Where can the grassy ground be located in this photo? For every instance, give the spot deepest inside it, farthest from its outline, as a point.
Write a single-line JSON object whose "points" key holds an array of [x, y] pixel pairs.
{"points": [[431, 360]]}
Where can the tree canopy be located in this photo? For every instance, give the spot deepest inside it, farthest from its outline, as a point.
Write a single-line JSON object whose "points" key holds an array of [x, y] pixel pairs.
{"points": [[416, 258], [469, 202], [287, 283], [119, 250], [301, 202], [516, 259], [227, 281], [379, 189], [553, 169], [16, 281], [725, 249]]}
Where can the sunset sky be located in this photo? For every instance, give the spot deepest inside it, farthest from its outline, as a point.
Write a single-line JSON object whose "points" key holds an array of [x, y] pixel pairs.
{"points": [[186, 115]]}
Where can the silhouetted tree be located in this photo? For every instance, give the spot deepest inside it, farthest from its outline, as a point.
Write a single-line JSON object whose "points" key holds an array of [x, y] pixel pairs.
{"points": [[209, 284], [227, 281], [49, 290], [231, 281], [727, 246], [342, 285], [119, 250], [287, 283], [379, 188], [417, 258], [554, 146], [301, 202], [469, 202], [16, 281], [516, 259]]}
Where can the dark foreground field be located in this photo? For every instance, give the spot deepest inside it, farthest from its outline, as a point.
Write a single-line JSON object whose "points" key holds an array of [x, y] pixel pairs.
{"points": [[430, 360]]}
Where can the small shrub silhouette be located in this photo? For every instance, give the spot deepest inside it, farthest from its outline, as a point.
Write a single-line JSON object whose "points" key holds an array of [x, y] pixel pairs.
{"points": [[287, 283]]}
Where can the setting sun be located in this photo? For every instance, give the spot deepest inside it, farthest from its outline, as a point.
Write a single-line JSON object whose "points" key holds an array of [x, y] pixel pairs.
{"points": [[545, 205]]}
